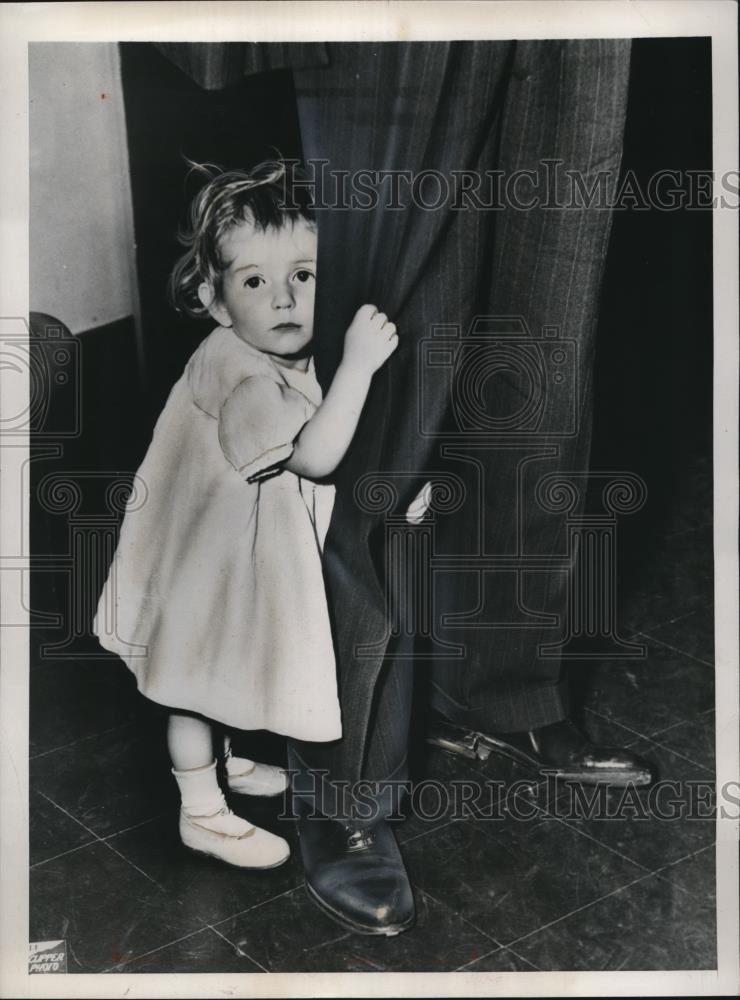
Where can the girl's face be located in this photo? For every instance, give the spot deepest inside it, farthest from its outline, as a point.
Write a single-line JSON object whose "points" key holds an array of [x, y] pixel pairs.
{"points": [[268, 289]]}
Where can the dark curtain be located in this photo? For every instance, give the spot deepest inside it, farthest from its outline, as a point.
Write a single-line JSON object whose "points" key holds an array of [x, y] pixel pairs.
{"points": [[223, 64]]}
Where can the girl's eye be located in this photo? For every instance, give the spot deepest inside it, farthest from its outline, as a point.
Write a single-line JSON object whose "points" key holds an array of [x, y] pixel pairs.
{"points": [[303, 276], [253, 282]]}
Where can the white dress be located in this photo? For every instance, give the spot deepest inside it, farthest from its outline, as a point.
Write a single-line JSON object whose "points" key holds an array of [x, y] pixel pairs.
{"points": [[215, 597]]}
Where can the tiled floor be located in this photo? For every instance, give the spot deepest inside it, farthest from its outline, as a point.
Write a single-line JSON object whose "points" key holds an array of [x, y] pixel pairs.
{"points": [[526, 883]]}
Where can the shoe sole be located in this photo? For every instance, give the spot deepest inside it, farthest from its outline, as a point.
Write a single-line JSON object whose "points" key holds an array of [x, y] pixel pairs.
{"points": [[617, 779], [611, 778], [257, 795], [351, 925], [229, 864]]}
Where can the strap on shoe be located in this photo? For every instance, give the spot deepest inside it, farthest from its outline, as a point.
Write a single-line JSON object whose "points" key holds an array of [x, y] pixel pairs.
{"points": [[360, 840]]}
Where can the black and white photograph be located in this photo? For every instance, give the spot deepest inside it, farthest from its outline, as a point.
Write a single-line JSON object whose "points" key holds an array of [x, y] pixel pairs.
{"points": [[369, 547]]}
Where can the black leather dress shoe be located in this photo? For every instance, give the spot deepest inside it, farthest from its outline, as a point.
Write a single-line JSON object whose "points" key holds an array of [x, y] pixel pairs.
{"points": [[560, 750], [357, 877]]}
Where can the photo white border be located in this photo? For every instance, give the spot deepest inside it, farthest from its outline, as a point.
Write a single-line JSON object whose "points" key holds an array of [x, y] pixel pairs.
{"points": [[367, 21]]}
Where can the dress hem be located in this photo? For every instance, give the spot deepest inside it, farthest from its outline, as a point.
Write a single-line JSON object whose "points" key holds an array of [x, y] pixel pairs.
{"points": [[305, 736]]}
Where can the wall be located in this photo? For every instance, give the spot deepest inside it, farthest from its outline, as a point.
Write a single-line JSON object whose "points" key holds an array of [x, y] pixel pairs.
{"points": [[168, 116], [81, 229]]}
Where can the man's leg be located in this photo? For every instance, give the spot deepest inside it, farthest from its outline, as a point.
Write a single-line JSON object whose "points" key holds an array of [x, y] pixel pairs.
{"points": [[563, 126], [384, 776], [353, 868], [470, 108]]}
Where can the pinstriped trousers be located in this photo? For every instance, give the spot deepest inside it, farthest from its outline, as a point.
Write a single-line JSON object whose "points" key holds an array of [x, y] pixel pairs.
{"points": [[533, 111]]}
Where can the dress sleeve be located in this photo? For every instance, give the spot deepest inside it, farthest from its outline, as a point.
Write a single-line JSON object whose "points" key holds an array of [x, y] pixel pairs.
{"points": [[258, 424]]}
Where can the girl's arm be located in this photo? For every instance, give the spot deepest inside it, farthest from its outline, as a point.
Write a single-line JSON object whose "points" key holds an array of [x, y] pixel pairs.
{"points": [[325, 438]]}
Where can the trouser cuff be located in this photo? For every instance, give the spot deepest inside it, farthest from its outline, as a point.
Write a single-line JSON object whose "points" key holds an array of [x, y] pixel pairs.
{"points": [[360, 805], [513, 709]]}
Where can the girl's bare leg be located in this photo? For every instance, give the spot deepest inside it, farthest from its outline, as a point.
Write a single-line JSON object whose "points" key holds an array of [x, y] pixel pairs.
{"points": [[190, 742]]}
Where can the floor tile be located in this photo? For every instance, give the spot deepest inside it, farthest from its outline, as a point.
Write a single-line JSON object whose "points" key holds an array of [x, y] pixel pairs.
{"points": [[108, 783], [96, 696], [501, 960], [646, 926], [202, 952], [103, 908], [647, 696], [650, 830], [696, 875], [694, 741], [671, 765], [51, 832], [508, 878], [290, 934], [678, 578], [283, 932], [651, 825], [447, 788], [203, 887], [692, 633]]}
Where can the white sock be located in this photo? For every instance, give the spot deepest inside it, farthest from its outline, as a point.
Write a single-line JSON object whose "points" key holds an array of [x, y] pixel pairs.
{"points": [[200, 791]]}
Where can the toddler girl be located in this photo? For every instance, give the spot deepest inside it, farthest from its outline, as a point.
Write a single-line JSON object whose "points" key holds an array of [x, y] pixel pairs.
{"points": [[215, 598]]}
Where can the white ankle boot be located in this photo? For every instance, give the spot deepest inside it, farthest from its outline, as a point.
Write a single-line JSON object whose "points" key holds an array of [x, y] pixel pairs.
{"points": [[250, 778], [208, 826]]}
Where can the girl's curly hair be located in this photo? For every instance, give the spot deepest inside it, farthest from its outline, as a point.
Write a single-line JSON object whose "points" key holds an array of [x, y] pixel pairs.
{"points": [[267, 197]]}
